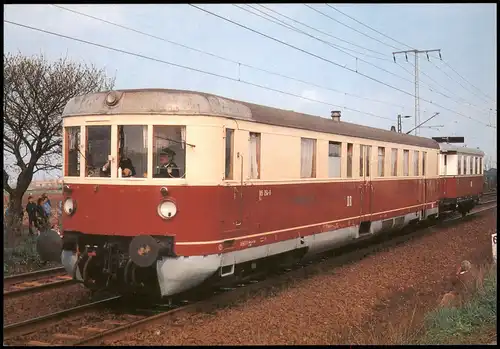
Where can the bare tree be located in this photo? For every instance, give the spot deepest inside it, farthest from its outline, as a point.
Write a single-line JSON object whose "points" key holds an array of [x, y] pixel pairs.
{"points": [[35, 94]]}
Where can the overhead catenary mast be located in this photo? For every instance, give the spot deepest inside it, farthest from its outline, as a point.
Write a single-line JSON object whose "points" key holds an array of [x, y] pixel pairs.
{"points": [[417, 98]]}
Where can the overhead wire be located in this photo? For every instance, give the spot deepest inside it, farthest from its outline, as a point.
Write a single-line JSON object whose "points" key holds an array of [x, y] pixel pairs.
{"points": [[467, 81], [190, 68], [367, 26], [333, 63], [333, 46], [458, 82], [348, 26], [290, 27], [239, 63], [321, 31], [432, 89]]}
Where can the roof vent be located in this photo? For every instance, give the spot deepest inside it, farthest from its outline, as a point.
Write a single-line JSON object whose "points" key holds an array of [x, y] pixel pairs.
{"points": [[335, 115]]}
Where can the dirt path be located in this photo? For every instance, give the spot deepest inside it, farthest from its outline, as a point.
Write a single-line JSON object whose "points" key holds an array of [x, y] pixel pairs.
{"points": [[391, 289]]}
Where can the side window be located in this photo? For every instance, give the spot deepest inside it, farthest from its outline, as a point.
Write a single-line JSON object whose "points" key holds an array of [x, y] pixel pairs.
{"points": [[469, 164], [406, 162], [169, 151], [394, 162], [364, 160], [424, 159], [480, 165], [459, 164], [228, 150], [132, 151], [254, 158], [349, 160], [307, 158], [415, 163], [381, 161], [476, 164], [361, 160], [334, 159], [72, 152]]}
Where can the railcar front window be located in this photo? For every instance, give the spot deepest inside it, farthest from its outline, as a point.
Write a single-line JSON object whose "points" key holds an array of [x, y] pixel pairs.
{"points": [[97, 151], [72, 153], [169, 151], [132, 151]]}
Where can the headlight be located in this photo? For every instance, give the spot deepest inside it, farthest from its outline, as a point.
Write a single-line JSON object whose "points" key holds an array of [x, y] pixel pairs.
{"points": [[167, 209], [69, 206]]}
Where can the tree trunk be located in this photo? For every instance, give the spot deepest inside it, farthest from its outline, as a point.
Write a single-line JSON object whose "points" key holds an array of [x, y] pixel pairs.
{"points": [[14, 219]]}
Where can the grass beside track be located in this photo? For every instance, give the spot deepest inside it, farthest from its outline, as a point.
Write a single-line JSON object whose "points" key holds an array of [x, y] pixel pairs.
{"points": [[477, 316]]}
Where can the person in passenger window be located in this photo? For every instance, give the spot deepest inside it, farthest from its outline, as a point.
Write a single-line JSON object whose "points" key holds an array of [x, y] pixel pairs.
{"points": [[126, 164]]}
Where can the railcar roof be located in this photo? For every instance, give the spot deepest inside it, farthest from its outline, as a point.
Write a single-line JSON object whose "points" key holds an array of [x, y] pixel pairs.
{"points": [[156, 101], [450, 148]]}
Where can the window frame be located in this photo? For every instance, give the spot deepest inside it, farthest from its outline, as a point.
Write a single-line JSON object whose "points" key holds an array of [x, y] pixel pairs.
{"points": [[339, 144]]}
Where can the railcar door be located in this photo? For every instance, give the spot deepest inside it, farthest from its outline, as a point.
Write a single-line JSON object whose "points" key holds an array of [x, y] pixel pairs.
{"points": [[365, 188]]}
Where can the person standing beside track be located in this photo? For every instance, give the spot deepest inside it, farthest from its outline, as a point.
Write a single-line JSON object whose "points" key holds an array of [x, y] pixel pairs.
{"points": [[30, 209]]}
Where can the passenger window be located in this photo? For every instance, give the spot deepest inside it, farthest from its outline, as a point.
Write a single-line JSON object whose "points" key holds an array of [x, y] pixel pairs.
{"points": [[228, 149], [72, 165], [169, 151], [394, 162], [459, 165], [349, 160], [364, 160], [132, 151], [308, 158], [381, 161], [334, 159], [406, 162], [424, 158], [476, 163], [254, 158], [97, 151], [469, 165], [415, 163], [480, 165]]}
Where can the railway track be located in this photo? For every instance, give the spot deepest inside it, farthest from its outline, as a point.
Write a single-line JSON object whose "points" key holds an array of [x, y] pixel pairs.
{"points": [[119, 317], [20, 284]]}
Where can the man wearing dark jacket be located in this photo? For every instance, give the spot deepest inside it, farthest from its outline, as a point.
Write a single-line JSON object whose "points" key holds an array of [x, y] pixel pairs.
{"points": [[30, 209]]}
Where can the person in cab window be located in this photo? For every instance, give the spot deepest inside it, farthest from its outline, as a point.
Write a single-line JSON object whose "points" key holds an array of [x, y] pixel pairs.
{"points": [[168, 168], [105, 171], [126, 164]]}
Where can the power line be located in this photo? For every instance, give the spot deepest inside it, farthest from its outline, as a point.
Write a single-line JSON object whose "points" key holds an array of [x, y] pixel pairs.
{"points": [[459, 100], [458, 82], [329, 44], [320, 31], [295, 29], [367, 26], [229, 60], [348, 26], [331, 62], [190, 68], [449, 66]]}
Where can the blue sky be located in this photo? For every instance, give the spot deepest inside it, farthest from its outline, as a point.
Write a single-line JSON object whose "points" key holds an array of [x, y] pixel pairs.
{"points": [[466, 34]]}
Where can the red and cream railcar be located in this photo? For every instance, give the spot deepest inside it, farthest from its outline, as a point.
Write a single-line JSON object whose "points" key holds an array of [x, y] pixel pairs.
{"points": [[461, 171], [220, 186]]}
